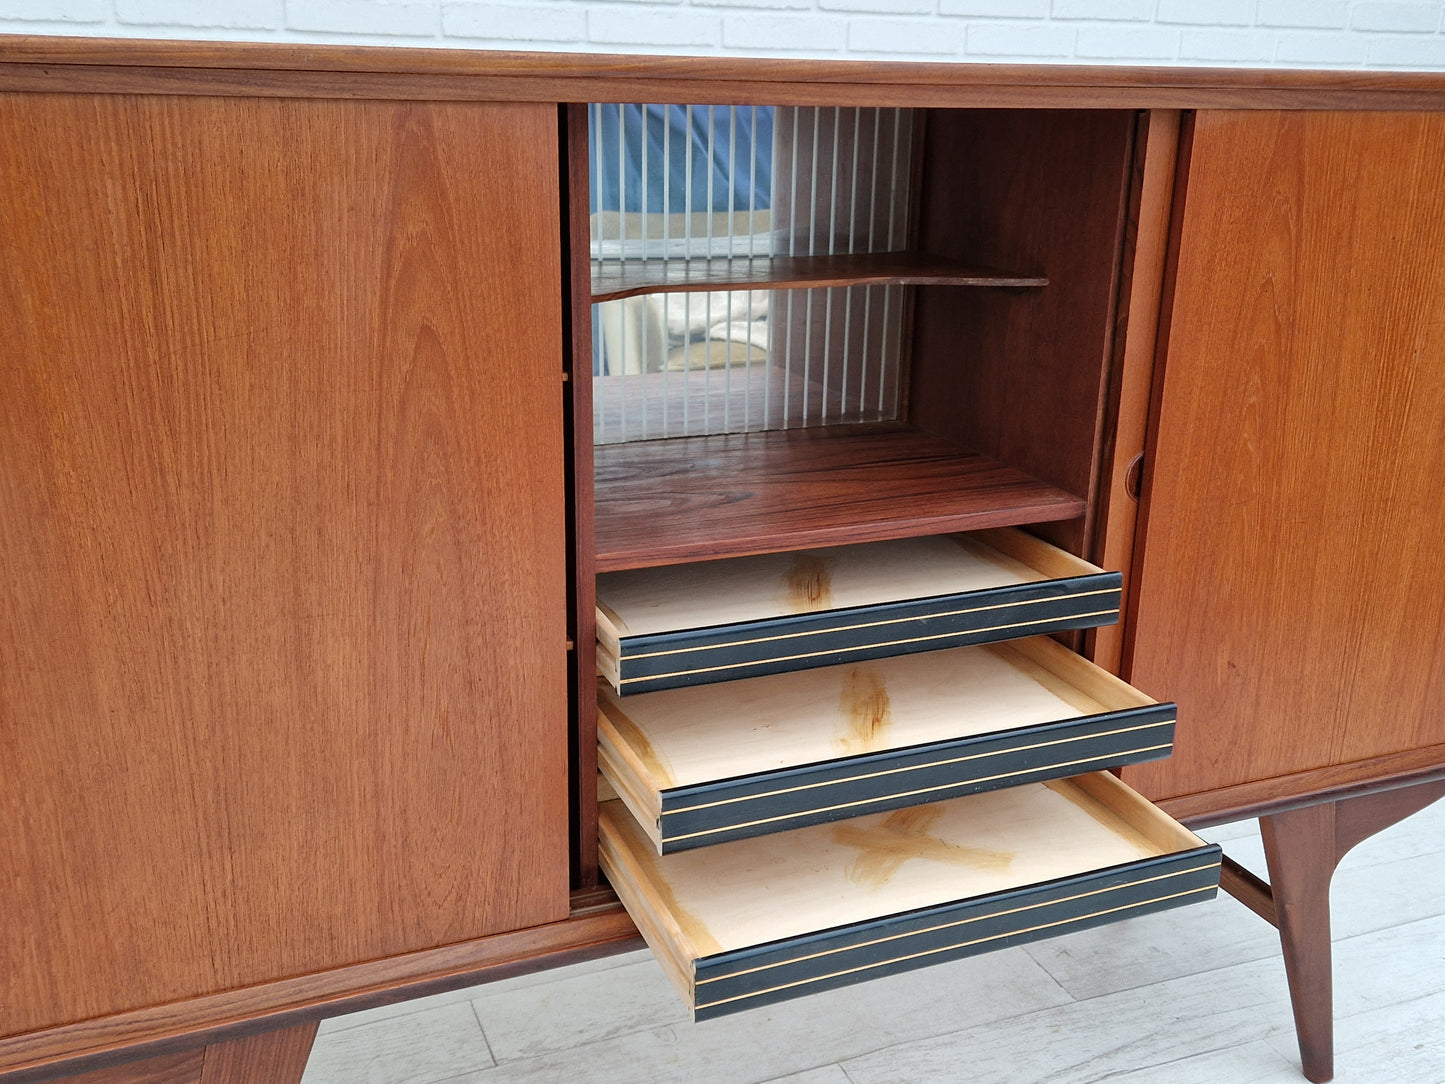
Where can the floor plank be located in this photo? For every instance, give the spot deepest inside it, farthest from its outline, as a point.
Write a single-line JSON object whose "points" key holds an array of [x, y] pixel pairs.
{"points": [[581, 1009], [1251, 1063], [1086, 1041], [805, 1034], [439, 1044], [827, 1074]]}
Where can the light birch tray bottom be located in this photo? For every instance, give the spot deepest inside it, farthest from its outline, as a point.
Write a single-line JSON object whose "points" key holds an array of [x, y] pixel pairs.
{"points": [[743, 617], [761, 920], [699, 766]]}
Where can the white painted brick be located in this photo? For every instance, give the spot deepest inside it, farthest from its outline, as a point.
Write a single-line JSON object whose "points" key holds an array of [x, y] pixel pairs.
{"points": [[1324, 14], [507, 22], [881, 7], [1407, 52], [1021, 41], [1210, 13], [1400, 18], [608, 27], [1327, 49], [1228, 46], [1127, 43], [232, 15], [59, 11], [907, 37], [780, 5], [403, 18], [996, 9], [791, 33], [1133, 10]]}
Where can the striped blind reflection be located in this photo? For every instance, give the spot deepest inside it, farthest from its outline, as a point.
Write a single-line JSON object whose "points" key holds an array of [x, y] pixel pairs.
{"points": [[692, 183]]}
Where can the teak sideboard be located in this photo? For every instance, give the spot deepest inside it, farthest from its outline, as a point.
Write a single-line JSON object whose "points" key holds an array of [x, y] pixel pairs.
{"points": [[300, 514]]}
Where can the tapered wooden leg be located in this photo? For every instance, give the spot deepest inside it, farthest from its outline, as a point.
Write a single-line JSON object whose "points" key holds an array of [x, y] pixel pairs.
{"points": [[271, 1057], [1303, 847], [278, 1057], [1299, 846]]}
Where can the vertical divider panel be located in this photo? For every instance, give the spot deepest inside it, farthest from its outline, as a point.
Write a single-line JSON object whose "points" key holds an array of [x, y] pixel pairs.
{"points": [[1133, 373], [583, 711]]}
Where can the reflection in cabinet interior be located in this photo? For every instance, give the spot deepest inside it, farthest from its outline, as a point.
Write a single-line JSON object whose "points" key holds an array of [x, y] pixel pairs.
{"points": [[693, 208]]}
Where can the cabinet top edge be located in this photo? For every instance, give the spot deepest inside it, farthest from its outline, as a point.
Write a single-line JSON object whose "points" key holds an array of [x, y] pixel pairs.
{"points": [[133, 65]]}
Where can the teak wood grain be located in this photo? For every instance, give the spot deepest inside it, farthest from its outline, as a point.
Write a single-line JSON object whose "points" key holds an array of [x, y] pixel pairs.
{"points": [[613, 279], [662, 502], [1290, 593], [1265, 796], [283, 552], [1020, 375], [255, 69]]}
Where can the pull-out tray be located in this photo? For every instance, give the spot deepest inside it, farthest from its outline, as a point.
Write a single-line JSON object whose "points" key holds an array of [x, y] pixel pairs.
{"points": [[702, 766], [762, 920], [660, 628]]}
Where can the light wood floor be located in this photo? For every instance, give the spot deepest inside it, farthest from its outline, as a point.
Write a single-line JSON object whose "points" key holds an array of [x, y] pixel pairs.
{"points": [[1194, 996]]}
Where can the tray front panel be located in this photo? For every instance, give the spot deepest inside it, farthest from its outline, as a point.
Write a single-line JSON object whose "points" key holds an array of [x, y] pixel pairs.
{"points": [[730, 982], [750, 649], [737, 808]]}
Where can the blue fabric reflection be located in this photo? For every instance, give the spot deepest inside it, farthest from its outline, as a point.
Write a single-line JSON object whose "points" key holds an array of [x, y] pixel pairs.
{"points": [[736, 131]]}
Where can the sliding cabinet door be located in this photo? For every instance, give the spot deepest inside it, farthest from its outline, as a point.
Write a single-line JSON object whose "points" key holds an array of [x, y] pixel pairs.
{"points": [[282, 574], [1291, 597]]}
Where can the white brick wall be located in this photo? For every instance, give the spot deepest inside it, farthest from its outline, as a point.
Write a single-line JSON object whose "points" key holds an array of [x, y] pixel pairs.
{"points": [[1377, 34]]}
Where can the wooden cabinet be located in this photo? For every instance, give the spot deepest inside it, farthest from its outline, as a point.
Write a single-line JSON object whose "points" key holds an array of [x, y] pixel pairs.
{"points": [[298, 534]]}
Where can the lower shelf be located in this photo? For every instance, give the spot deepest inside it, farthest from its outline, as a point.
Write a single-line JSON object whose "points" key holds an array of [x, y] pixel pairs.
{"points": [[766, 919], [692, 498]]}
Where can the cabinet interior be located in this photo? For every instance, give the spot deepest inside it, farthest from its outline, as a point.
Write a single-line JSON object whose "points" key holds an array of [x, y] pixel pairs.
{"points": [[938, 363], [983, 405]]}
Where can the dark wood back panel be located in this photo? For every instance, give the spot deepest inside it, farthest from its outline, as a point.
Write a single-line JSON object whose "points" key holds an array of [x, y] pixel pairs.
{"points": [[1020, 374], [282, 559], [1290, 596]]}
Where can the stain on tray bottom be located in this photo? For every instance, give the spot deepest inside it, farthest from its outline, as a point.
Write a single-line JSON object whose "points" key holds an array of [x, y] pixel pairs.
{"points": [[903, 836], [809, 583], [864, 712]]}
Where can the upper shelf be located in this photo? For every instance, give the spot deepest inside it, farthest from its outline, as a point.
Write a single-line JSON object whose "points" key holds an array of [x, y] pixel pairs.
{"points": [[693, 498], [615, 279]]}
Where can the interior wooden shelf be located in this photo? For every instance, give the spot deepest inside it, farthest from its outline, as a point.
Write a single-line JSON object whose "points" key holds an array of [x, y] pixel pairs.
{"points": [[615, 279], [668, 501]]}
